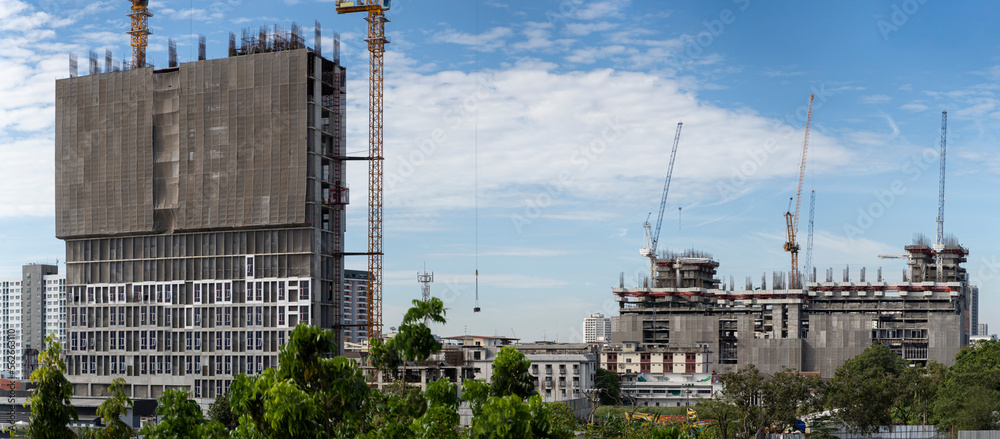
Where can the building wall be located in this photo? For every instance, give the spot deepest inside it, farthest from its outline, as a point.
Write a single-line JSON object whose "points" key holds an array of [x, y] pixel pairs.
{"points": [[596, 328], [203, 212], [355, 306], [47, 308]]}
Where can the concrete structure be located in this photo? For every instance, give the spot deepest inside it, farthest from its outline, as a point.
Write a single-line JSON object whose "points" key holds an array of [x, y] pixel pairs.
{"points": [[355, 307], [982, 329], [596, 328], [812, 330], [34, 306], [202, 208], [451, 362], [974, 310]]}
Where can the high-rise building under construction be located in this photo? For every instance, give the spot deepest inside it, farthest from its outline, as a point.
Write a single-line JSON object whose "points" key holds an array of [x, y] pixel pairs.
{"points": [[202, 206]]}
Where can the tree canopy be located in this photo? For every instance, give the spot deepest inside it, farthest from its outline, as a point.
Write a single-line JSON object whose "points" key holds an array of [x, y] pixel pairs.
{"points": [[51, 408], [969, 396]]}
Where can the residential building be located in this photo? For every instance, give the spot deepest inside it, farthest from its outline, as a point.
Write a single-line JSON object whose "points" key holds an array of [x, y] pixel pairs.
{"points": [[355, 307], [561, 371], [202, 206], [661, 376], [983, 329], [596, 328], [34, 306]]}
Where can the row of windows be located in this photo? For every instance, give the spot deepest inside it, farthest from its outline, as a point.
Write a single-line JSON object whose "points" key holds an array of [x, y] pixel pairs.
{"points": [[162, 316], [177, 365], [202, 292], [133, 341]]}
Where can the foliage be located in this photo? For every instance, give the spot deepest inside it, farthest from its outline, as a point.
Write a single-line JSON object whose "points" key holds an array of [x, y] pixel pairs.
{"points": [[309, 394], [865, 389], [113, 408], [561, 416], [413, 342], [762, 403], [441, 418], [724, 418], [510, 417], [969, 396], [609, 384], [222, 412], [510, 374], [51, 409], [180, 417]]}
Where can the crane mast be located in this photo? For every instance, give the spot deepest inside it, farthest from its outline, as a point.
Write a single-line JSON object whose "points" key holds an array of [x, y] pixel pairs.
{"points": [[944, 143], [809, 240], [377, 40], [792, 221], [653, 238], [139, 32]]}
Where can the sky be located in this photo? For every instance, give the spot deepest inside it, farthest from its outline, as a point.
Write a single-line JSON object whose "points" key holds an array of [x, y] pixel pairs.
{"points": [[530, 140]]}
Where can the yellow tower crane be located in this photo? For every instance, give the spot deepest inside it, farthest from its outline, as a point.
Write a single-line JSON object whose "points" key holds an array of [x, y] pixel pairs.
{"points": [[793, 220], [140, 32], [376, 39]]}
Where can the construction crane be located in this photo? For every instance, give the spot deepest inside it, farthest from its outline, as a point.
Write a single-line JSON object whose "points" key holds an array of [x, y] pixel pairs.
{"points": [[653, 238], [140, 32], [793, 220], [376, 10], [809, 241], [940, 217]]}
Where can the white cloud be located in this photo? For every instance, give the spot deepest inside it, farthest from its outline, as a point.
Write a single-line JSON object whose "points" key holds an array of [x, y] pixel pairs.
{"points": [[875, 99], [584, 29], [914, 107], [488, 41]]}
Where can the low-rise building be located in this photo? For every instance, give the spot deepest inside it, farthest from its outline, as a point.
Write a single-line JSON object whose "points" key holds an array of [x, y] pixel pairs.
{"points": [[561, 371], [662, 376]]}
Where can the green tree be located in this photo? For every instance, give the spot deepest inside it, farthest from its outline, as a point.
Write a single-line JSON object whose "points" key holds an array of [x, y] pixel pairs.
{"points": [[561, 416], [764, 403], [308, 394], [865, 389], [441, 418], [510, 374], [113, 408], [609, 385], [51, 409], [969, 396], [181, 418], [723, 418], [222, 412]]}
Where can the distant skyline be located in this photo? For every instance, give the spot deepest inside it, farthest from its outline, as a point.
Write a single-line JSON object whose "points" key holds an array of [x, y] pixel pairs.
{"points": [[559, 114]]}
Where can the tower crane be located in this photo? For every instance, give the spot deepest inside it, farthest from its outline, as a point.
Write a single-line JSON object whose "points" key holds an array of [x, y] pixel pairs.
{"points": [[140, 32], [653, 238], [376, 10], [793, 220]]}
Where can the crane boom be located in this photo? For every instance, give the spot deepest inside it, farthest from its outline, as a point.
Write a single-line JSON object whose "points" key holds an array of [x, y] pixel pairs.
{"points": [[793, 220], [944, 143], [140, 32], [376, 39], [655, 237]]}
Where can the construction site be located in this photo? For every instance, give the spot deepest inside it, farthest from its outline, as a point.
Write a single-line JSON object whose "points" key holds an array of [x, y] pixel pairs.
{"points": [[801, 322]]}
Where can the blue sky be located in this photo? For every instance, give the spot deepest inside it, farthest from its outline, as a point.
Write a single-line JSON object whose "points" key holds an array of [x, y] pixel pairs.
{"points": [[569, 109]]}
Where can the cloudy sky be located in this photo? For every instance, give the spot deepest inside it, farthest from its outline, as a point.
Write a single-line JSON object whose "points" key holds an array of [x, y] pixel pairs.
{"points": [[531, 139]]}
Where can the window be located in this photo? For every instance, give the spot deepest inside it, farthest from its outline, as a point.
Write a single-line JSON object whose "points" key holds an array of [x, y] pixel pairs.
{"points": [[197, 293], [259, 312], [142, 313], [121, 315], [159, 365], [304, 290], [114, 366], [228, 316], [218, 340], [187, 365], [73, 342], [144, 339], [218, 315], [218, 293], [197, 365], [260, 341], [228, 340], [197, 341], [166, 294], [166, 317], [159, 293], [121, 365], [281, 291], [229, 293], [197, 317], [281, 316], [121, 341], [166, 365], [644, 367], [114, 341], [304, 314], [152, 315], [689, 368], [152, 339], [187, 343], [142, 367], [72, 314], [218, 366], [229, 365]]}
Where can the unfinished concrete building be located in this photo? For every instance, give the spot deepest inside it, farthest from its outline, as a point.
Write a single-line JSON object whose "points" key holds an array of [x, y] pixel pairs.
{"points": [[202, 206], [812, 330]]}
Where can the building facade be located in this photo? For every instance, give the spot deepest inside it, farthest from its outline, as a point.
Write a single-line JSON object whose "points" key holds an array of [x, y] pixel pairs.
{"points": [[561, 371], [661, 376], [811, 330], [34, 306], [202, 207], [596, 328], [355, 306]]}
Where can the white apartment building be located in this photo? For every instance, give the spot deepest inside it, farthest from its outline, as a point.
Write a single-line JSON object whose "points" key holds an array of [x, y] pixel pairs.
{"points": [[596, 328], [37, 297], [561, 371]]}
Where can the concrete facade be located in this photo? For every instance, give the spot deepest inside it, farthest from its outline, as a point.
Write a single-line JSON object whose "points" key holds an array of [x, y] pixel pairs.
{"points": [[355, 306], [811, 330], [202, 208], [561, 371]]}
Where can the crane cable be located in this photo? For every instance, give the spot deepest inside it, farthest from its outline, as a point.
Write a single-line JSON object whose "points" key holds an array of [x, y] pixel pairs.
{"points": [[476, 159]]}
